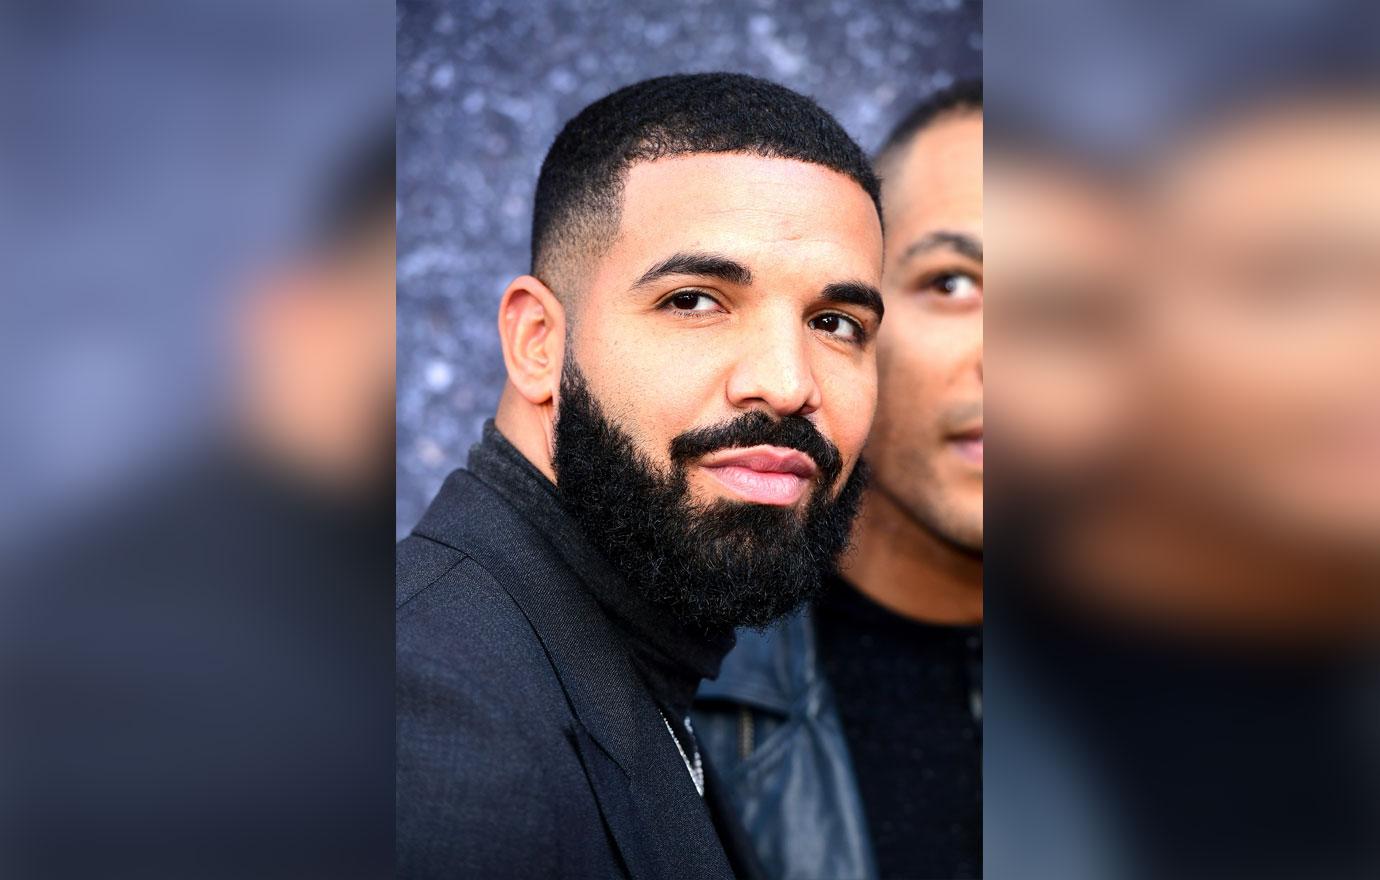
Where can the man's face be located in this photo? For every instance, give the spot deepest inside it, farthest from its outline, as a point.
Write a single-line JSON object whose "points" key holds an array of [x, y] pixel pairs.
{"points": [[737, 284], [720, 381], [1266, 370], [926, 447], [1066, 243]]}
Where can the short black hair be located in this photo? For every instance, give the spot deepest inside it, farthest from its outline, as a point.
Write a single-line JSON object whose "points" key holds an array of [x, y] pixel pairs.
{"points": [[579, 192], [964, 96]]}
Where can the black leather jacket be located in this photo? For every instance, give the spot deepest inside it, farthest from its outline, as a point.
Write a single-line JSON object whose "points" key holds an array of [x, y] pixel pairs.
{"points": [[770, 728]]}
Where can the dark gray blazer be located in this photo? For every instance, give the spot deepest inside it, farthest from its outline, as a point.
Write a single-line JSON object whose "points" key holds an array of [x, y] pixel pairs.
{"points": [[527, 744]]}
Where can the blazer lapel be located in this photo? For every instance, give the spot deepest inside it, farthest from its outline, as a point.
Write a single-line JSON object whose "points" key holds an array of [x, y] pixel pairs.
{"points": [[660, 824]]}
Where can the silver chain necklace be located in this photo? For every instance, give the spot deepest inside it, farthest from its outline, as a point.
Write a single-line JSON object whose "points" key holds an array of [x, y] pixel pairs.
{"points": [[696, 770]]}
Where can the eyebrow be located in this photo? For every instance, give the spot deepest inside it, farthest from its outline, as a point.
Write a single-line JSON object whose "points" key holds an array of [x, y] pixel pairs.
{"points": [[855, 293], [697, 263], [706, 265], [963, 243]]}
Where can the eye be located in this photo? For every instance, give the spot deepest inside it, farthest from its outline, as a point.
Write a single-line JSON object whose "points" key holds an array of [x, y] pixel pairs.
{"points": [[838, 325], [958, 286], [691, 301]]}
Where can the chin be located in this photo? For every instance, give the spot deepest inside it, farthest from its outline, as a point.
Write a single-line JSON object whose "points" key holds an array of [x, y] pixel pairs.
{"points": [[953, 522], [966, 537]]}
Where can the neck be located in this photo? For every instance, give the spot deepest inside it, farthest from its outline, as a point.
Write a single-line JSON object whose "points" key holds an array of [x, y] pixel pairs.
{"points": [[530, 429], [903, 566]]}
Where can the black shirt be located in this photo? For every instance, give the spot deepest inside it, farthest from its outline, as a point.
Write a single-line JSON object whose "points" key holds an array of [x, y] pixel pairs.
{"points": [[909, 695]]}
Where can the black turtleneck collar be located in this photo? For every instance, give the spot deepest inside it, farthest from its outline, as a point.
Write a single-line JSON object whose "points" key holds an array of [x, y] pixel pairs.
{"points": [[671, 656]]}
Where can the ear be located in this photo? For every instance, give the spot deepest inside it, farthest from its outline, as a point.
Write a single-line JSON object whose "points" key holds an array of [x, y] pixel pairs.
{"points": [[531, 324]]}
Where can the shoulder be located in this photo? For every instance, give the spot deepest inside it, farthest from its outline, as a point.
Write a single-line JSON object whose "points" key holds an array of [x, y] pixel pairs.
{"points": [[482, 723], [455, 621], [419, 564]]}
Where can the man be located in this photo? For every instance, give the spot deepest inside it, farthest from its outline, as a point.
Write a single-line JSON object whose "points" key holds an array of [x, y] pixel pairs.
{"points": [[691, 378], [871, 702]]}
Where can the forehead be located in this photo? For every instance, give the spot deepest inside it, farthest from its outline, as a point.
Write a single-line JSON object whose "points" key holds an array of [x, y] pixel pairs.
{"points": [[775, 215], [937, 181]]}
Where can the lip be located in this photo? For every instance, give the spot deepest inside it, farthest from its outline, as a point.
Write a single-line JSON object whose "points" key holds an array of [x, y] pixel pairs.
{"points": [[968, 444], [770, 475]]}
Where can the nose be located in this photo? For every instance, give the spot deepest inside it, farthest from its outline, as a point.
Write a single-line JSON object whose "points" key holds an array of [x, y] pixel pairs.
{"points": [[773, 372]]}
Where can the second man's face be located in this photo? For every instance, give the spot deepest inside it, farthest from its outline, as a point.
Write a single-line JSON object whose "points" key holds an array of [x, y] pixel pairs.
{"points": [[926, 450]]}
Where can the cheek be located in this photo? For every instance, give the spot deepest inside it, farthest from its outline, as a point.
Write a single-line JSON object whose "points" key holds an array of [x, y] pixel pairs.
{"points": [[917, 363], [653, 387], [849, 403]]}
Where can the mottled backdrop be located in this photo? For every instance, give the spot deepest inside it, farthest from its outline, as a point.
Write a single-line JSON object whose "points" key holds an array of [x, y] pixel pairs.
{"points": [[484, 86]]}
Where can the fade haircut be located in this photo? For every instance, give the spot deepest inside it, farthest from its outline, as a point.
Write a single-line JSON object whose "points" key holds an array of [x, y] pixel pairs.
{"points": [[579, 196], [962, 97]]}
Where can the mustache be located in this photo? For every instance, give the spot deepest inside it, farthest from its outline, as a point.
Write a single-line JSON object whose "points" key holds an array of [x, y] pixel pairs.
{"points": [[959, 415], [759, 429]]}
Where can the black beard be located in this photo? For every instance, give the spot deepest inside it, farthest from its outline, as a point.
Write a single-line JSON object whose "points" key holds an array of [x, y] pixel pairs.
{"points": [[715, 567]]}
